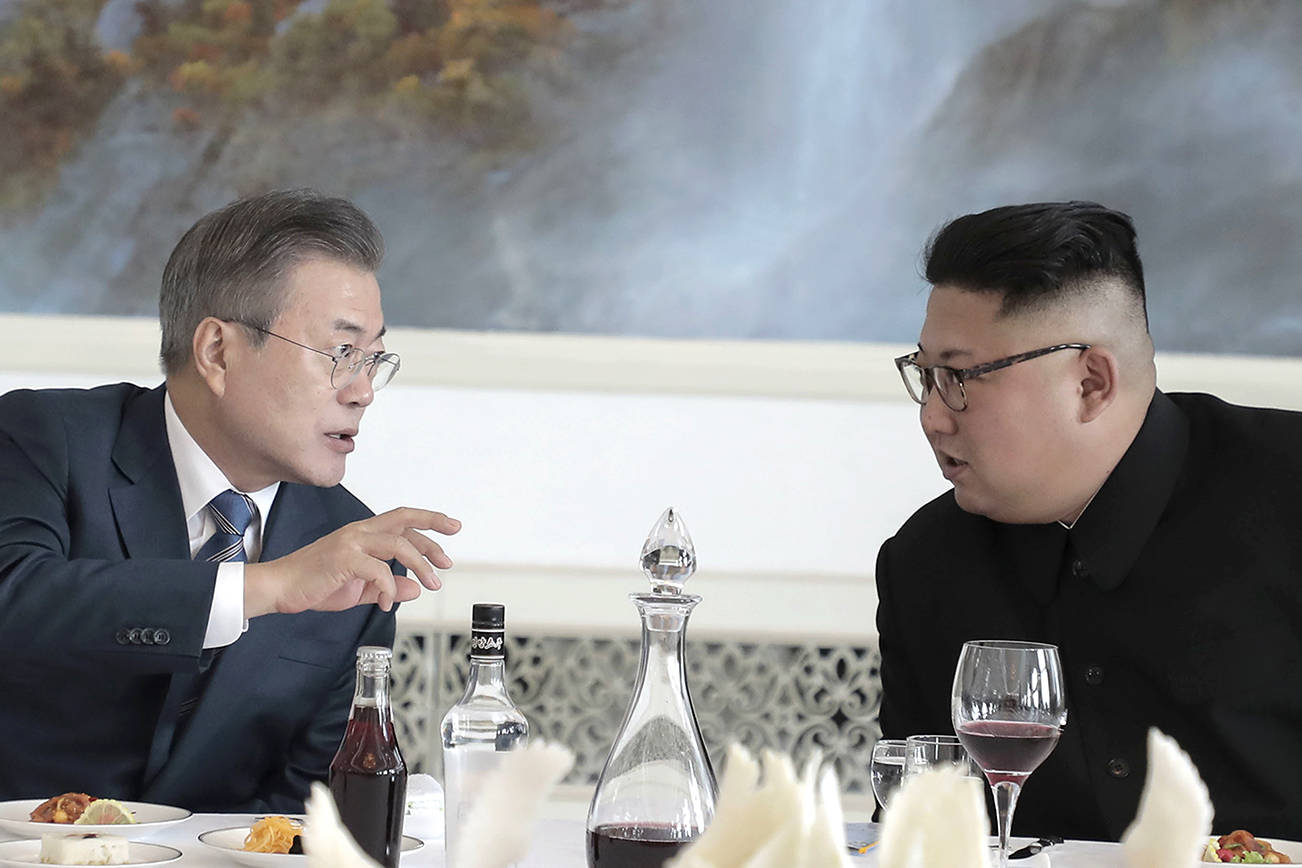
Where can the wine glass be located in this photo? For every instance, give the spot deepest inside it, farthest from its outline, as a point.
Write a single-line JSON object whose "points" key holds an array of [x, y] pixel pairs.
{"points": [[886, 770], [1009, 706]]}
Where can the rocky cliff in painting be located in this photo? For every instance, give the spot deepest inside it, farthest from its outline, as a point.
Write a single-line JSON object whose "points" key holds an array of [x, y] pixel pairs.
{"points": [[660, 167]]}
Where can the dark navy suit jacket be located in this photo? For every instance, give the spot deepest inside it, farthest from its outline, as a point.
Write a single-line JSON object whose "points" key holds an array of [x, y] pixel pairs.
{"points": [[93, 546]]}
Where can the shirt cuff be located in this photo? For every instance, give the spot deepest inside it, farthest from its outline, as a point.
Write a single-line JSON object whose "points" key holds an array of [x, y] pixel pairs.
{"points": [[226, 618]]}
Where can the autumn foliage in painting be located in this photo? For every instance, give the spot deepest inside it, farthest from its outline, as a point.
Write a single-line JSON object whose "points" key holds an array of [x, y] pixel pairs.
{"points": [[54, 81], [450, 67]]}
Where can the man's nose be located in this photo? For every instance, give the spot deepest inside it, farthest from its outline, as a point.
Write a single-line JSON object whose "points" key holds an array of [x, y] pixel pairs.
{"points": [[936, 416], [358, 392]]}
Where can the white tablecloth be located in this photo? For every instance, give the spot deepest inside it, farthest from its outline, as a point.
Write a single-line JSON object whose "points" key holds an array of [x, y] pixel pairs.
{"points": [[560, 844]]}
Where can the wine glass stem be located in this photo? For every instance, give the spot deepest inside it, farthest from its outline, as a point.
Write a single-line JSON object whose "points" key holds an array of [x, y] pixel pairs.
{"points": [[1005, 793]]}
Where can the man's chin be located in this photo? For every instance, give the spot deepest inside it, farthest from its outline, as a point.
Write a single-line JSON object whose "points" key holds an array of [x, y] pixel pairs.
{"points": [[326, 475], [967, 502], [1002, 513], [970, 501]]}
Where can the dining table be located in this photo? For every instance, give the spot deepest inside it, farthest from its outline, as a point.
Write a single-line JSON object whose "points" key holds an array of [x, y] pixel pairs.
{"points": [[559, 843]]}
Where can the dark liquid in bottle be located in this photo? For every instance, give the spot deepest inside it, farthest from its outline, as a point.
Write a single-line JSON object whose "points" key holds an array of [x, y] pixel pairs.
{"points": [[632, 846], [368, 779]]}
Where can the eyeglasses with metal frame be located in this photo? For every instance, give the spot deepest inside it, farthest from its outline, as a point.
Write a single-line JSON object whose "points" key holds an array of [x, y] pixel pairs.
{"points": [[919, 380], [349, 361]]}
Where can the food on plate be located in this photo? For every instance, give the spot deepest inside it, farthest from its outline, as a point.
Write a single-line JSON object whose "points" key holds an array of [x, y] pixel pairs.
{"points": [[105, 812], [1243, 848], [83, 810], [274, 834], [86, 848], [61, 809]]}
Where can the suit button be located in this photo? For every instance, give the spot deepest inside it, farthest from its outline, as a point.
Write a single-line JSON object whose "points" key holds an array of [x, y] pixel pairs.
{"points": [[1079, 570], [162, 637], [1094, 675], [133, 635], [147, 636], [1118, 768], [122, 637]]}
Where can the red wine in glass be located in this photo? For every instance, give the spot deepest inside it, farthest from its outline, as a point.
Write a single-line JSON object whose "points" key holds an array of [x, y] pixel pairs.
{"points": [[1008, 750], [632, 846]]}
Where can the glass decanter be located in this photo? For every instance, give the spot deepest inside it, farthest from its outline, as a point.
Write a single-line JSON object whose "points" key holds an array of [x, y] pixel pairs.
{"points": [[657, 790]]}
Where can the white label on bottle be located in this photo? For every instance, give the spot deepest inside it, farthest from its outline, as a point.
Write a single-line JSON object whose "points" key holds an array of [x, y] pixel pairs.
{"points": [[485, 643]]}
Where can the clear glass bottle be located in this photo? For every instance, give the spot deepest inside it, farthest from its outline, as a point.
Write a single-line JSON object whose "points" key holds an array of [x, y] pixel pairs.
{"points": [[368, 777], [657, 791], [482, 725]]}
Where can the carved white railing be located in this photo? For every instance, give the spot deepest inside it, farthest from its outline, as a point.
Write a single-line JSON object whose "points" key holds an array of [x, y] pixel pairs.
{"points": [[795, 697]]}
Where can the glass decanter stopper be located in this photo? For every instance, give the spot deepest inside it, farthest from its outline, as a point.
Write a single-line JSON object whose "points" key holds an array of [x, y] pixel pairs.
{"points": [[657, 790]]}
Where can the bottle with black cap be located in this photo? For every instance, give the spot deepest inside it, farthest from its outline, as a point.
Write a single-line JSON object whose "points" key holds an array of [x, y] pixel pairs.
{"points": [[482, 725]]}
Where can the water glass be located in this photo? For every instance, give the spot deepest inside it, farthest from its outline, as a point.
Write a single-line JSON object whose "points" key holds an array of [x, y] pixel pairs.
{"points": [[922, 752], [887, 769]]}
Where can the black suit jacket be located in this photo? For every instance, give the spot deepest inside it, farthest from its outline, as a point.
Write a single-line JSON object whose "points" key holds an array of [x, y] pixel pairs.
{"points": [[93, 546], [1175, 600]]}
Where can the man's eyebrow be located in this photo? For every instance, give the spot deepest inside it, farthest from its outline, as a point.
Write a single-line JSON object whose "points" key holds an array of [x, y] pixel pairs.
{"points": [[950, 355], [352, 328], [946, 356]]}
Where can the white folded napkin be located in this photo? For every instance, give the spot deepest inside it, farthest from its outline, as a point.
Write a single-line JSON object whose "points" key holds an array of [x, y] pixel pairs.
{"points": [[783, 822], [938, 817], [497, 831], [500, 824], [326, 843], [1175, 812]]}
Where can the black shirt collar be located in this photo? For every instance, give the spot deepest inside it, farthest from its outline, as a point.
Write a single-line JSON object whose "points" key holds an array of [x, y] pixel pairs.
{"points": [[1109, 536]]}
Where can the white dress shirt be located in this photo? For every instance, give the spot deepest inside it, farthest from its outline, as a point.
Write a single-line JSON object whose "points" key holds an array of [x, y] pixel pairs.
{"points": [[201, 481]]}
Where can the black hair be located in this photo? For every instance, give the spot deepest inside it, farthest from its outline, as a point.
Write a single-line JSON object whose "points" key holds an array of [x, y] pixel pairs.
{"points": [[1037, 253]]}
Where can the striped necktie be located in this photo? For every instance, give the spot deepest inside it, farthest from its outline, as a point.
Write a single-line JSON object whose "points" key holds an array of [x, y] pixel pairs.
{"points": [[232, 513]]}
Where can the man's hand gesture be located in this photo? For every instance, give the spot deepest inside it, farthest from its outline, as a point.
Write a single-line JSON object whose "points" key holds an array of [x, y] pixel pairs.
{"points": [[350, 566]]}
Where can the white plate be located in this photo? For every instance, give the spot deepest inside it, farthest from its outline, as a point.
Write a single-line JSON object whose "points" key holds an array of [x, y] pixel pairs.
{"points": [[15, 818], [25, 853], [231, 842]]}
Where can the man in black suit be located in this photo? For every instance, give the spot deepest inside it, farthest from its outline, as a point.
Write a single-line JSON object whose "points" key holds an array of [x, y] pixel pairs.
{"points": [[183, 581], [1155, 538]]}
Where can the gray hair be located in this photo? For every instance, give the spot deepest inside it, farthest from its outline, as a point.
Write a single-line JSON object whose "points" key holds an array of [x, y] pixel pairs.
{"points": [[232, 264]]}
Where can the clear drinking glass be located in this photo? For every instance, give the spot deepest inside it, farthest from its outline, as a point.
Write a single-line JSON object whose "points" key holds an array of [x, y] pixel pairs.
{"points": [[1009, 706], [922, 752], [886, 770]]}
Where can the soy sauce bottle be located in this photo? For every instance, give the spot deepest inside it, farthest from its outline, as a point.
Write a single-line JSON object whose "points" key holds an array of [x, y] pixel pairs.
{"points": [[368, 777]]}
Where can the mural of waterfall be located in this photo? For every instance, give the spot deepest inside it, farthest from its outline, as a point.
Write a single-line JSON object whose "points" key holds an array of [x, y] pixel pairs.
{"points": [[724, 169]]}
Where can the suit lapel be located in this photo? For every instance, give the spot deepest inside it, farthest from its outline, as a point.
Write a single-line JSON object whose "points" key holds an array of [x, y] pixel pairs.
{"points": [[151, 523], [147, 500], [295, 519], [286, 529]]}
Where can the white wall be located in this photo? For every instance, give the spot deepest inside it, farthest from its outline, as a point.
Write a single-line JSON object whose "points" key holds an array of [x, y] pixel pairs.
{"points": [[789, 462]]}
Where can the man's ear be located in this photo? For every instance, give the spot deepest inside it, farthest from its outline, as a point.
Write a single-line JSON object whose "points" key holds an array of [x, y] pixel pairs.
{"points": [[210, 348], [1100, 382]]}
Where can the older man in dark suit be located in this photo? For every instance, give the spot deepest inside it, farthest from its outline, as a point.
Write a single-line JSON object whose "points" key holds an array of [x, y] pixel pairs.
{"points": [[183, 581], [1157, 539]]}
